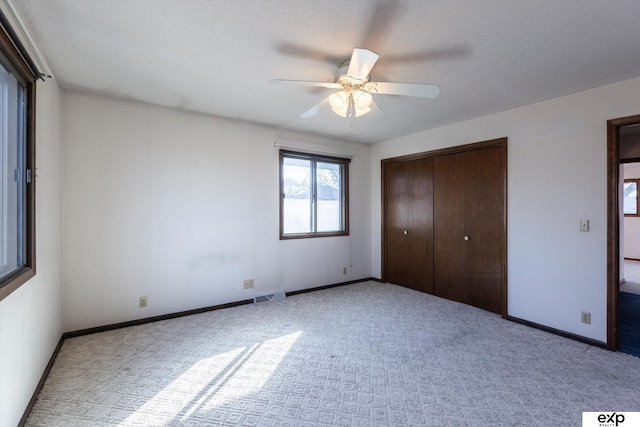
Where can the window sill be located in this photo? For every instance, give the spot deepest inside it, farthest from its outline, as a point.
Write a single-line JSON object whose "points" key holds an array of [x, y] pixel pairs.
{"points": [[313, 235], [14, 280]]}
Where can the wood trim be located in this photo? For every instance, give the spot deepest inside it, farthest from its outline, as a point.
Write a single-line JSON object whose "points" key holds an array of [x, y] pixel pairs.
{"points": [[383, 218], [43, 378], [554, 331], [613, 225], [613, 236], [630, 160], [499, 142], [335, 285], [152, 319], [625, 121], [505, 252], [449, 150]]}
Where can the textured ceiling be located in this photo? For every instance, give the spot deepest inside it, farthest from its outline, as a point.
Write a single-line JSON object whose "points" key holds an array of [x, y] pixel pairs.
{"points": [[217, 56]]}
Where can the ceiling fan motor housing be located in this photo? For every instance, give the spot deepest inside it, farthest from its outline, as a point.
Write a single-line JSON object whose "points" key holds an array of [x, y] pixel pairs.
{"points": [[341, 72]]}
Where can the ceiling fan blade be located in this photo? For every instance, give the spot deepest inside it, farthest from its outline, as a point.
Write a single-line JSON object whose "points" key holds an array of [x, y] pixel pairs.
{"points": [[307, 83], [315, 109], [362, 61], [377, 112], [406, 89]]}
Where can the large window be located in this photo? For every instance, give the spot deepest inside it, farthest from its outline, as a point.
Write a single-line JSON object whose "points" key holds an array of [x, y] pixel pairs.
{"points": [[313, 195], [17, 95]]}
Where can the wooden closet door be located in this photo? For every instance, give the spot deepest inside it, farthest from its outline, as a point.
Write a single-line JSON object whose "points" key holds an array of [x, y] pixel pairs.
{"points": [[469, 226], [408, 223]]}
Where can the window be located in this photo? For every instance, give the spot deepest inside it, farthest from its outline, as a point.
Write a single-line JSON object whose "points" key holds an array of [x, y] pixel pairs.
{"points": [[314, 196], [631, 197], [17, 194]]}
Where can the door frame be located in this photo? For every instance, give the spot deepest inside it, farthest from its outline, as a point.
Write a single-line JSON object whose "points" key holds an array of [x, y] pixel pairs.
{"points": [[499, 142], [613, 224]]}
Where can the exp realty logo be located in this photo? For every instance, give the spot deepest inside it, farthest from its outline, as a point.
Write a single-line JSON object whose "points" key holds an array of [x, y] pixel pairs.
{"points": [[610, 419]]}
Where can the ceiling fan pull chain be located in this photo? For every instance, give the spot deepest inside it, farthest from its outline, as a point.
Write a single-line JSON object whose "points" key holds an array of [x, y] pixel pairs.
{"points": [[351, 112], [350, 105]]}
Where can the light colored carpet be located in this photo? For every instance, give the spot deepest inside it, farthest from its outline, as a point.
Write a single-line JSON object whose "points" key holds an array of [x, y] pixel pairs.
{"points": [[367, 354]]}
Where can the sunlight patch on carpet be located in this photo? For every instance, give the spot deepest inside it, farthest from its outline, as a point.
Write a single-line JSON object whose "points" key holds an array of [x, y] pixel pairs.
{"points": [[215, 381]]}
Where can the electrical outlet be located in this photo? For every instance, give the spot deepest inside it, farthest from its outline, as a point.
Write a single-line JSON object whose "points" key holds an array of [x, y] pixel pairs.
{"points": [[143, 302], [247, 284], [344, 270], [585, 317]]}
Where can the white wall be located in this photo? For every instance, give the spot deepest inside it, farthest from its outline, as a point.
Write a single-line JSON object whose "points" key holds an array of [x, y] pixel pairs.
{"points": [[182, 207], [631, 228], [557, 175], [31, 317]]}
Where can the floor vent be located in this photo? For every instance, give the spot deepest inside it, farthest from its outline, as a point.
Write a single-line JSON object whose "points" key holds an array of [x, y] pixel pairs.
{"points": [[275, 296]]}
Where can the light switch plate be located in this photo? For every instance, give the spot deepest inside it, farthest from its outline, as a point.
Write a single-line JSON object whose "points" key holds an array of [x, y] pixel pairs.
{"points": [[584, 225]]}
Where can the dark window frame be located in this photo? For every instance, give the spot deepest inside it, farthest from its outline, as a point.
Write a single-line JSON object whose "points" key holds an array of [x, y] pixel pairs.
{"points": [[15, 59], [315, 158]]}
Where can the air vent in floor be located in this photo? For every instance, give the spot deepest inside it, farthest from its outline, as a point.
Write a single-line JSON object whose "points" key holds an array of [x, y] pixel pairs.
{"points": [[274, 296]]}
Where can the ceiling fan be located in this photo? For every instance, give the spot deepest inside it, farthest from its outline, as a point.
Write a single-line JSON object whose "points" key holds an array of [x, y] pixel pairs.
{"points": [[354, 95]]}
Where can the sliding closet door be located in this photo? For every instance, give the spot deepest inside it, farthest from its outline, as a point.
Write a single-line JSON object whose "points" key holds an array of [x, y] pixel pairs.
{"points": [[408, 223], [470, 227]]}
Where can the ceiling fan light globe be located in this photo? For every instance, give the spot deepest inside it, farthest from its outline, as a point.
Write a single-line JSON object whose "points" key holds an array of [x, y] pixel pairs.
{"points": [[362, 100], [362, 112], [338, 100], [342, 112]]}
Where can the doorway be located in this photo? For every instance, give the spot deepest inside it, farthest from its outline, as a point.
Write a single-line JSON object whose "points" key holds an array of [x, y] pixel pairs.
{"points": [[620, 305]]}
